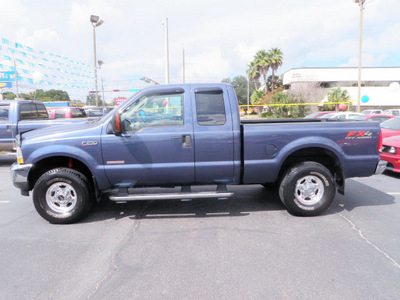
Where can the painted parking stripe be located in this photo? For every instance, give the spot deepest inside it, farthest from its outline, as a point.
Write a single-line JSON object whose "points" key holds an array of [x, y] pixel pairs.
{"points": [[393, 193], [4, 201]]}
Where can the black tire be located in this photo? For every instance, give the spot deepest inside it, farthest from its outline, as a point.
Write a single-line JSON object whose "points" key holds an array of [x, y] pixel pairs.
{"points": [[63, 196], [307, 189]]}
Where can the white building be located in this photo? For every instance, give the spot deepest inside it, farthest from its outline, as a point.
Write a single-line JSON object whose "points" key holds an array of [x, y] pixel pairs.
{"points": [[381, 85]]}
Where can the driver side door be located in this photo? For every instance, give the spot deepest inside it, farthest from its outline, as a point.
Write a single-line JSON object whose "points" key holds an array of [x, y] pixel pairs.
{"points": [[156, 146]]}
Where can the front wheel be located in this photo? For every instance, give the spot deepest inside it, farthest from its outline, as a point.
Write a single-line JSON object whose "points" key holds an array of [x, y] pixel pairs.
{"points": [[62, 196], [307, 189]]}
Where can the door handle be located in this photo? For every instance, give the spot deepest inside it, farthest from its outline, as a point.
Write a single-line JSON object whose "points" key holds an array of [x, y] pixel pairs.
{"points": [[186, 141]]}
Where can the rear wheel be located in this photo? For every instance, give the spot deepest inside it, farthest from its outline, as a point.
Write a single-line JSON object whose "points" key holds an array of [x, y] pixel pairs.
{"points": [[307, 189], [62, 196]]}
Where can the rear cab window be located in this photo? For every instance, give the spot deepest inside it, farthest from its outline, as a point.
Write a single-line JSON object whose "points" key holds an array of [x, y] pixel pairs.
{"points": [[4, 110], [210, 107], [32, 111]]}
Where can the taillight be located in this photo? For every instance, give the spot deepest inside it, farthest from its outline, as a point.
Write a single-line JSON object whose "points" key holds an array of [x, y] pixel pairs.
{"points": [[380, 144]]}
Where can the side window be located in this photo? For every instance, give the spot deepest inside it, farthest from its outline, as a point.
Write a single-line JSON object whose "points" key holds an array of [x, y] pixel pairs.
{"points": [[60, 113], [4, 109], [42, 111], [395, 113], [78, 113], [210, 108], [154, 111], [28, 111]]}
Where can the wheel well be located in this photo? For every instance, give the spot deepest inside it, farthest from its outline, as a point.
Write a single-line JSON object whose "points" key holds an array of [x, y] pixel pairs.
{"points": [[49, 163], [320, 155]]}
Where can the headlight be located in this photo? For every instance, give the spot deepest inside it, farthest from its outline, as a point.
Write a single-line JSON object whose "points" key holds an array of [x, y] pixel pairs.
{"points": [[392, 150], [20, 159]]}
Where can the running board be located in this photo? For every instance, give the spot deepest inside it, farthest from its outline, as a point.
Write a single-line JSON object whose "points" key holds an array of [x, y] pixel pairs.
{"points": [[170, 196]]}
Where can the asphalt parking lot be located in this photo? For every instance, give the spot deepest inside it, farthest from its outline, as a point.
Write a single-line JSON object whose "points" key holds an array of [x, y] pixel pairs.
{"points": [[247, 247]]}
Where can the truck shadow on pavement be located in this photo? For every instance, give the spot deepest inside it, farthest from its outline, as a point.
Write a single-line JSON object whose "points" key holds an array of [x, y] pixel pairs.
{"points": [[247, 199], [359, 195]]}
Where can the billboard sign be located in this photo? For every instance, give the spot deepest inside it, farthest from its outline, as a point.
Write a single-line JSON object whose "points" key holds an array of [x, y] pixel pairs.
{"points": [[5, 85], [7, 76], [119, 100]]}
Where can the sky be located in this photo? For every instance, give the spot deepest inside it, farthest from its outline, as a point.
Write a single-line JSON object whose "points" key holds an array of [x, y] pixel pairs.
{"points": [[220, 38]]}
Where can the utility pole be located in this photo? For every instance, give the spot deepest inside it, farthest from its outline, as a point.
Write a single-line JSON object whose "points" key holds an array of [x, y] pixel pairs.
{"points": [[183, 65], [102, 88], [361, 4], [166, 52], [16, 79]]}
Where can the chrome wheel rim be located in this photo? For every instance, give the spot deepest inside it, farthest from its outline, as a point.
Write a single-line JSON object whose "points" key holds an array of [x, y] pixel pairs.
{"points": [[61, 197], [309, 190]]}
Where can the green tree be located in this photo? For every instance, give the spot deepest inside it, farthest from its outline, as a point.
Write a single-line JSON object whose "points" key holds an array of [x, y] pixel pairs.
{"points": [[9, 96], [91, 99], [239, 83], [275, 55], [253, 74], [288, 111], [336, 95], [257, 97], [262, 60]]}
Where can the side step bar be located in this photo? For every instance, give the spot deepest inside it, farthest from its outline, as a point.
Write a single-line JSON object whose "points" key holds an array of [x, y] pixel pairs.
{"points": [[170, 196]]}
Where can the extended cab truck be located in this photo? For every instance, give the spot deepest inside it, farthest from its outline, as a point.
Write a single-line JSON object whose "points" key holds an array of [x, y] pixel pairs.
{"points": [[18, 116], [190, 134]]}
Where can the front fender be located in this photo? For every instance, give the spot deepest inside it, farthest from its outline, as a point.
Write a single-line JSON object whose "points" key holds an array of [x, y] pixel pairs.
{"points": [[92, 162]]}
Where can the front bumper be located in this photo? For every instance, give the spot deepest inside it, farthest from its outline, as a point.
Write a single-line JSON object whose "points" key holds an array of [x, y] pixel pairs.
{"points": [[381, 166], [19, 176], [393, 162]]}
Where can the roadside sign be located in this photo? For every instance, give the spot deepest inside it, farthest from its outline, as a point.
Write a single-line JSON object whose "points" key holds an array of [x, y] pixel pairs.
{"points": [[7, 76], [119, 100]]}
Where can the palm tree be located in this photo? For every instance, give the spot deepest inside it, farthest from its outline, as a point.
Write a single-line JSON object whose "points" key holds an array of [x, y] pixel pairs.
{"points": [[276, 62], [253, 74], [263, 61], [338, 95]]}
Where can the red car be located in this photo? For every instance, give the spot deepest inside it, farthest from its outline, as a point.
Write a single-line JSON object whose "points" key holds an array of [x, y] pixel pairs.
{"points": [[66, 112], [391, 127], [391, 153], [318, 114], [373, 118]]}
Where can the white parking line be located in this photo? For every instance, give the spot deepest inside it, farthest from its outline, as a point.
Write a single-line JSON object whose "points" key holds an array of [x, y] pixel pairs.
{"points": [[393, 193], [4, 201]]}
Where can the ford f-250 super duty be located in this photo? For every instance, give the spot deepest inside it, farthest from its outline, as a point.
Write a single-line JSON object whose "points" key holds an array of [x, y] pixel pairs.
{"points": [[184, 135]]}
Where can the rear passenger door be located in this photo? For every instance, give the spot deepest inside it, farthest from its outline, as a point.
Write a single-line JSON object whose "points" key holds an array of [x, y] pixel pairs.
{"points": [[213, 136]]}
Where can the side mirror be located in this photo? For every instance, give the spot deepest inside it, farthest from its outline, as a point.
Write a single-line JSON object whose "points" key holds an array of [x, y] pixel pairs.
{"points": [[116, 124]]}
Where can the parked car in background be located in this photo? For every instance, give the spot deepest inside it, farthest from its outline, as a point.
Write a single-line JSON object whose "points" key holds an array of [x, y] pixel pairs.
{"points": [[374, 118], [318, 114], [372, 112], [391, 127], [66, 112], [341, 116], [391, 153], [393, 112], [97, 111]]}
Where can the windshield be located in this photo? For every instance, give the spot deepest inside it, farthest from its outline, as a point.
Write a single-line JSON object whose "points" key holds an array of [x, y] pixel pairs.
{"points": [[359, 118], [392, 124], [327, 116], [312, 115]]}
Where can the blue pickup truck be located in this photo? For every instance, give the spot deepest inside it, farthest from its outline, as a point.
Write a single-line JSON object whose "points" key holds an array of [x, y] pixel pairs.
{"points": [[18, 116], [186, 135]]}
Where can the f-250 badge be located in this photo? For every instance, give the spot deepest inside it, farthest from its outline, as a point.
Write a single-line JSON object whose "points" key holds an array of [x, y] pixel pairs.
{"points": [[359, 135], [90, 143]]}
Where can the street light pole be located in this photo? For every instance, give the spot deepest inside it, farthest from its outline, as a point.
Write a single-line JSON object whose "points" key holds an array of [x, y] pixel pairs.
{"points": [[96, 23], [361, 4], [166, 52]]}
